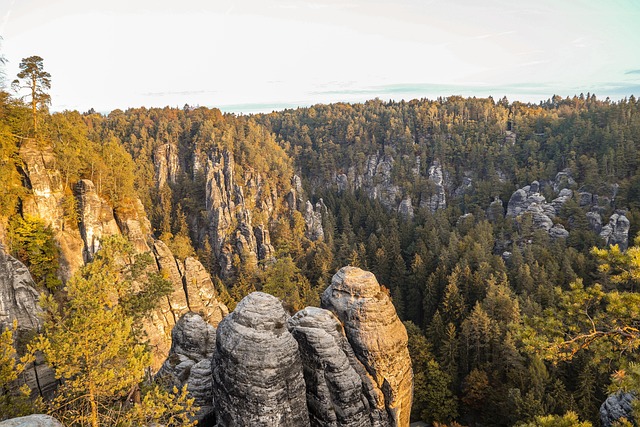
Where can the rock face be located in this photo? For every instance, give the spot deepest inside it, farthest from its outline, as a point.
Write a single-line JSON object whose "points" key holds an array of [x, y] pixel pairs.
{"points": [[19, 303], [37, 420], [617, 406], [45, 201], [406, 208], [18, 296], [96, 218], [339, 390], [378, 338], [257, 370], [617, 231], [437, 200], [189, 361], [230, 228], [134, 224], [165, 159], [193, 290], [375, 180], [313, 220]]}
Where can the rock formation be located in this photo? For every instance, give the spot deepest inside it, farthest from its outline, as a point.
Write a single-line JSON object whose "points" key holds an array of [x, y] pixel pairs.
{"points": [[616, 232], [406, 208], [313, 220], [438, 199], [376, 334], [37, 420], [339, 390], [133, 223], [230, 227], [19, 303], [18, 296], [96, 218], [257, 370], [193, 290], [45, 200], [529, 200], [189, 361], [165, 160], [617, 406], [563, 180]]}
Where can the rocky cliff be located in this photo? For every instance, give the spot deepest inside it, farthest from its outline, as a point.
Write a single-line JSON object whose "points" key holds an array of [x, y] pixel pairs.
{"points": [[19, 304], [45, 199], [78, 236], [230, 227]]}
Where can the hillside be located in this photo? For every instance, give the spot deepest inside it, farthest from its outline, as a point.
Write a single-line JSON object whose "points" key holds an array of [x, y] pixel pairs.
{"points": [[488, 224]]}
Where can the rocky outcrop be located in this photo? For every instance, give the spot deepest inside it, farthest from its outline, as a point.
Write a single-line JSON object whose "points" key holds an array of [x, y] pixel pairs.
{"points": [[595, 221], [529, 200], [437, 199], [374, 180], [230, 228], [616, 232], [96, 218], [37, 420], [616, 407], [19, 303], [406, 208], [257, 370], [377, 336], [18, 296], [313, 220], [200, 292], [340, 392], [563, 197], [165, 160], [193, 290], [562, 180], [133, 223], [45, 200], [558, 232], [266, 251], [193, 341]]}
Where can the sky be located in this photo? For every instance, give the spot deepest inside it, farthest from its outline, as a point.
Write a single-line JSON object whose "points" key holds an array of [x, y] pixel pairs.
{"points": [[249, 56]]}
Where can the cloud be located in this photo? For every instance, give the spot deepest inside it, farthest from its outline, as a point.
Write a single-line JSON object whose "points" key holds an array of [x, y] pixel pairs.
{"points": [[633, 72]]}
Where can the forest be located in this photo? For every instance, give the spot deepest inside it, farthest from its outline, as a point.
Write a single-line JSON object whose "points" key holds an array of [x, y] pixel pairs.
{"points": [[508, 323]]}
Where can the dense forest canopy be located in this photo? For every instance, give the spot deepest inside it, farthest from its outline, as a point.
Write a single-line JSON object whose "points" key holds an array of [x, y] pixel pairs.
{"points": [[508, 323]]}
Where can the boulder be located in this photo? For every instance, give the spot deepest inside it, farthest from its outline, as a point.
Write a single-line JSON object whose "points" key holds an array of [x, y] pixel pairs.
{"points": [[37, 420], [617, 406], [376, 334]]}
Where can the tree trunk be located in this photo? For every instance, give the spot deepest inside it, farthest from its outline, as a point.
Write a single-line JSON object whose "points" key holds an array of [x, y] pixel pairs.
{"points": [[94, 405], [34, 105]]}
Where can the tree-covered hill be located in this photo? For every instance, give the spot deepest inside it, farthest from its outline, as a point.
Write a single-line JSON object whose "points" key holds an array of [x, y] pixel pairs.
{"points": [[480, 217]]}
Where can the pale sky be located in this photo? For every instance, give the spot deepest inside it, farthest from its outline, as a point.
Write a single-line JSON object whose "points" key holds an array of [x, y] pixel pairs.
{"points": [[259, 55]]}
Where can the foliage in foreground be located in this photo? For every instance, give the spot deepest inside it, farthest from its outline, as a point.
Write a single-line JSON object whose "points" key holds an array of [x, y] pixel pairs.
{"points": [[93, 342]]}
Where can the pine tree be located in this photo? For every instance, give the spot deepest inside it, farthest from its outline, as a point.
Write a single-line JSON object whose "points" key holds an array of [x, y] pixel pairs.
{"points": [[92, 341]]}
